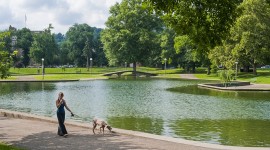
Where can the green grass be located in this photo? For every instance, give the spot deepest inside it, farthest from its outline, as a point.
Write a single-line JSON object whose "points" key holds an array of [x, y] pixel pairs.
{"points": [[69, 76], [262, 77], [83, 73], [8, 147], [34, 71], [10, 78], [207, 77]]}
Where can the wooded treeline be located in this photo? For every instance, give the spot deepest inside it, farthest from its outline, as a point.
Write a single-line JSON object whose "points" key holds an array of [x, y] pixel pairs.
{"points": [[184, 33]]}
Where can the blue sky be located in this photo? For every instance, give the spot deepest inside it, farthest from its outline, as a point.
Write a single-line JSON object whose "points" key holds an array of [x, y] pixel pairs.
{"points": [[62, 14]]}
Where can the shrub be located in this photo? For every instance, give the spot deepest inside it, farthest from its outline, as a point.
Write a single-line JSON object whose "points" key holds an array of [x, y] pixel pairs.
{"points": [[226, 76]]}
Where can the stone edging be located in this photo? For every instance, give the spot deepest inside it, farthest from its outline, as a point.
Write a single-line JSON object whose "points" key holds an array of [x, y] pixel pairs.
{"points": [[235, 88]]}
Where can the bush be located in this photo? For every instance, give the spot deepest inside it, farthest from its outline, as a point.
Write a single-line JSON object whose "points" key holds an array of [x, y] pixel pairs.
{"points": [[226, 76]]}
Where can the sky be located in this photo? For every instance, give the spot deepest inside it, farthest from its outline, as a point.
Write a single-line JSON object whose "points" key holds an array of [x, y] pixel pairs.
{"points": [[62, 14]]}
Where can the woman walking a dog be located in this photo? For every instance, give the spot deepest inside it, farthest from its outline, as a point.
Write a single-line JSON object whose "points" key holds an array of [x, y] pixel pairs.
{"points": [[60, 104]]}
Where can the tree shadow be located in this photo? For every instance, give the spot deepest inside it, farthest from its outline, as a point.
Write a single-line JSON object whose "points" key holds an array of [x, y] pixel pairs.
{"points": [[49, 140]]}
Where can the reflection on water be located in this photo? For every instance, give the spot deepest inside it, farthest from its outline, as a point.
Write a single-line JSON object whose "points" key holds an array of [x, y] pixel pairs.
{"points": [[226, 132], [228, 118], [194, 89], [138, 124]]}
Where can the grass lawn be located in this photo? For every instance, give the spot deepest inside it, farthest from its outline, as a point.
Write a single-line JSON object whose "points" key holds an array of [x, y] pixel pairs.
{"points": [[83, 73], [207, 77], [69, 76], [34, 71], [8, 147], [262, 77]]}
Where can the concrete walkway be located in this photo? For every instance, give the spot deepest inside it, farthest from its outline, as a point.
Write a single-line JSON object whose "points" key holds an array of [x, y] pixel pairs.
{"points": [[26, 78], [188, 76], [39, 133]]}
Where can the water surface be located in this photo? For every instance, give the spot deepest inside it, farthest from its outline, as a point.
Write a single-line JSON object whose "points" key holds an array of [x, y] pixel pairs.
{"points": [[175, 108]]}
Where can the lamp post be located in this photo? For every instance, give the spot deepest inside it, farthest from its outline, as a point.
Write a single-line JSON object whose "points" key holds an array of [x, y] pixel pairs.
{"points": [[91, 65], [236, 63], [87, 65], [165, 65], [42, 68]]}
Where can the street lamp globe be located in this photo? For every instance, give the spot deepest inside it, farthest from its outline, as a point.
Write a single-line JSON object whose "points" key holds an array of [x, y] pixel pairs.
{"points": [[236, 69]]}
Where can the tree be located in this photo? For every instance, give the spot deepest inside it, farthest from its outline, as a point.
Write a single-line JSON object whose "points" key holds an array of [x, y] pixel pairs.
{"points": [[5, 59], [64, 50], [44, 46], [77, 37], [59, 38], [99, 55], [24, 41], [248, 42], [167, 46], [205, 22], [222, 57], [88, 50], [251, 33], [188, 50], [131, 33]]}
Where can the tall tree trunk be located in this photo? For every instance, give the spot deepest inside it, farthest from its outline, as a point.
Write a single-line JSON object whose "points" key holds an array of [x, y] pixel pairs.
{"points": [[208, 70], [134, 69], [193, 67], [254, 68], [246, 68]]}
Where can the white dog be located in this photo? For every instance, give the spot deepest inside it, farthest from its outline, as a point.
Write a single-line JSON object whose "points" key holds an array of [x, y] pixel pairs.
{"points": [[102, 124]]}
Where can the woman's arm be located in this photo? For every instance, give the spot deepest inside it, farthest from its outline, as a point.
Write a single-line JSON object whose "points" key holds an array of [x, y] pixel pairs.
{"points": [[68, 108]]}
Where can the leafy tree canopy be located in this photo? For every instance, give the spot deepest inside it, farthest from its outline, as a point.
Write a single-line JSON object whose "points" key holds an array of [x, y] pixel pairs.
{"points": [[206, 22], [44, 46], [5, 59], [131, 33], [24, 41], [80, 38]]}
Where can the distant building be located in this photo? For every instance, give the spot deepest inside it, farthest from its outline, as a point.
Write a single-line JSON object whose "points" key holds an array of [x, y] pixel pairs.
{"points": [[13, 41]]}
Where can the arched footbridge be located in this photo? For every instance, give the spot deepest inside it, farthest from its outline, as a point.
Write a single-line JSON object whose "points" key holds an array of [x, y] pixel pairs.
{"points": [[138, 73]]}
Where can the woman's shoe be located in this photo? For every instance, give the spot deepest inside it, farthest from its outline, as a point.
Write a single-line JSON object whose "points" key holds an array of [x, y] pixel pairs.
{"points": [[65, 135]]}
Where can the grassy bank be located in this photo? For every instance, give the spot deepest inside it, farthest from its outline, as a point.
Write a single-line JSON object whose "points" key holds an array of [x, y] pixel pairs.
{"points": [[262, 77], [8, 147]]}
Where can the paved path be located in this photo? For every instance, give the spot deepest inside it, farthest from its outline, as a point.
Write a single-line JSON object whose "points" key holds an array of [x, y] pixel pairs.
{"points": [[25, 78], [39, 133], [188, 76]]}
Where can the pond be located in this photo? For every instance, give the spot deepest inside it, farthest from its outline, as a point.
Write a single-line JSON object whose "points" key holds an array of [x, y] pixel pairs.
{"points": [[175, 108]]}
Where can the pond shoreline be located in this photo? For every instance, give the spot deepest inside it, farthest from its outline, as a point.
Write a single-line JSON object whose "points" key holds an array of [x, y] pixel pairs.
{"points": [[242, 86], [11, 119]]}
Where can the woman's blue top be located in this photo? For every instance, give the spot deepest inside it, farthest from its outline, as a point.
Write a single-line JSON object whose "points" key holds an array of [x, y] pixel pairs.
{"points": [[61, 108]]}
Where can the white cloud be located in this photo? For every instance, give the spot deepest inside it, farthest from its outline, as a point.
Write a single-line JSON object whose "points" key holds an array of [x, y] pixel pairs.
{"points": [[62, 14]]}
